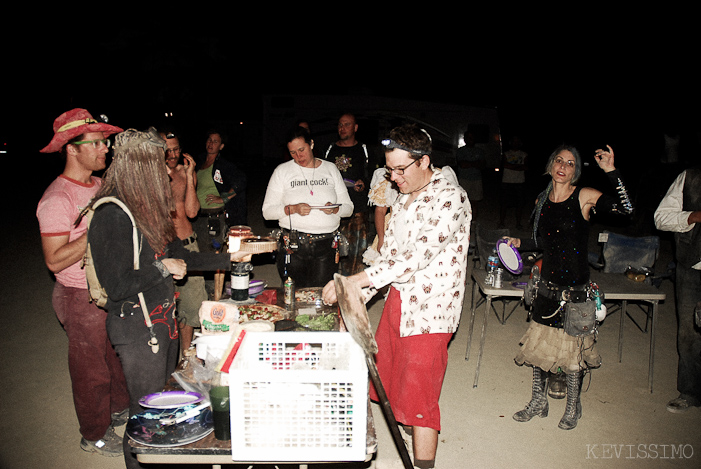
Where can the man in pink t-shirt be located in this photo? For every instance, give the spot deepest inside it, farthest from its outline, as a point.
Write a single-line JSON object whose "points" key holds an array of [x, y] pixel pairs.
{"points": [[99, 389]]}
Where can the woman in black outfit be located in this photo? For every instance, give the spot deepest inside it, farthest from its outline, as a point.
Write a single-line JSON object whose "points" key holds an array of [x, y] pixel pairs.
{"points": [[138, 177], [561, 231]]}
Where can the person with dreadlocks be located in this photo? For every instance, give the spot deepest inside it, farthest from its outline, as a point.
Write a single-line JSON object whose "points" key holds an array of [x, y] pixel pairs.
{"points": [[139, 179], [561, 232]]}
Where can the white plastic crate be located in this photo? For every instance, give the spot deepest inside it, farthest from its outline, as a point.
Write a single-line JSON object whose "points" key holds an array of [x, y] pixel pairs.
{"points": [[298, 396]]}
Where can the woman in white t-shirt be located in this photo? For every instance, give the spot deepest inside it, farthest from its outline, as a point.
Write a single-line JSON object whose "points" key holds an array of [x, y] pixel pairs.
{"points": [[307, 197]]}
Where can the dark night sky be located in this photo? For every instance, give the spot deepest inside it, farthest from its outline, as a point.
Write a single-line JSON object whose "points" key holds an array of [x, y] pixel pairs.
{"points": [[548, 90]]}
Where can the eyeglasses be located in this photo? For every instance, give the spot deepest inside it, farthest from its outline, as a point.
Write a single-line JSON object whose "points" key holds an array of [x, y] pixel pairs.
{"points": [[95, 143], [400, 171]]}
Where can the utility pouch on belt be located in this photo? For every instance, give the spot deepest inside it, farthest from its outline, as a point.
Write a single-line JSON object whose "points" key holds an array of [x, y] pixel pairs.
{"points": [[579, 319], [531, 290], [213, 225]]}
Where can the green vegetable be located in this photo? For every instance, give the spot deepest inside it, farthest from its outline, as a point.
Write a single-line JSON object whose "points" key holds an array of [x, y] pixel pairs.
{"points": [[317, 322]]}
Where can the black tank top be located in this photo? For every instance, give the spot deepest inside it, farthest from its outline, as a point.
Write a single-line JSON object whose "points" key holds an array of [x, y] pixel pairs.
{"points": [[564, 237]]}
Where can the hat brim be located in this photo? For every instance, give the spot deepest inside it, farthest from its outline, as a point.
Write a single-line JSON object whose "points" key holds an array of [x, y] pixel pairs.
{"points": [[61, 138]]}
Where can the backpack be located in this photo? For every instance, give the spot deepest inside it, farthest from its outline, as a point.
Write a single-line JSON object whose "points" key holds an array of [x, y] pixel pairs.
{"points": [[98, 295], [97, 292]]}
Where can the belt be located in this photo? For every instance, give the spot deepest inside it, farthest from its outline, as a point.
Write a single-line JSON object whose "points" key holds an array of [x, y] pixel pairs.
{"points": [[190, 240], [555, 292], [310, 237], [212, 211]]}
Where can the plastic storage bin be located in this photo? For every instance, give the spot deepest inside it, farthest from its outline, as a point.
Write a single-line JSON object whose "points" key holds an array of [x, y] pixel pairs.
{"points": [[299, 396]]}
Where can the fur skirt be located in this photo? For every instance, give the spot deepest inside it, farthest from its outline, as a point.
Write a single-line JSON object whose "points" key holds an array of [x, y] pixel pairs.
{"points": [[549, 348]]}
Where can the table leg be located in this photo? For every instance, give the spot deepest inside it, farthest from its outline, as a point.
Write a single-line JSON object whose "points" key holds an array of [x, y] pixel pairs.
{"points": [[624, 311], [652, 344], [218, 284], [484, 330], [472, 322]]}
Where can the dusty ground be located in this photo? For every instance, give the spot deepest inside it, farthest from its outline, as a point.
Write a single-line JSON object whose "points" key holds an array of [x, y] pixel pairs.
{"points": [[623, 425]]}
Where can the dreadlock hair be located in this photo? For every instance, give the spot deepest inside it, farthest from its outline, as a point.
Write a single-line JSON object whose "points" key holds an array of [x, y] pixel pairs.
{"points": [[139, 178]]}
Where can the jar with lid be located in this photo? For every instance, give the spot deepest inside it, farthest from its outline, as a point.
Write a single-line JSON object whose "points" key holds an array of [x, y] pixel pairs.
{"points": [[236, 234]]}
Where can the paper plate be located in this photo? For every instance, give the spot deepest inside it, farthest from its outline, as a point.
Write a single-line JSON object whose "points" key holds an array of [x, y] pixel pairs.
{"points": [[509, 257], [321, 207], [145, 428], [170, 399]]}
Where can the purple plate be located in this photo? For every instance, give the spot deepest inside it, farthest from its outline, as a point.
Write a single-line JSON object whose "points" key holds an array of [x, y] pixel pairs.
{"points": [[255, 287], [170, 399], [509, 257]]}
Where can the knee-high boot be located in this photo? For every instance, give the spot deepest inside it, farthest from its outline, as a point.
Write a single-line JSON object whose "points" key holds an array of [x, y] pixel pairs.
{"points": [[539, 398], [573, 408]]}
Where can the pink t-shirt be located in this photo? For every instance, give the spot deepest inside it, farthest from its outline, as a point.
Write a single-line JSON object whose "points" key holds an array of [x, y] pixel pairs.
{"points": [[57, 212]]}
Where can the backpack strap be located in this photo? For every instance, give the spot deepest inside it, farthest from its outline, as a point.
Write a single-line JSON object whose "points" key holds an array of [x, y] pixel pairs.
{"points": [[135, 234], [153, 341]]}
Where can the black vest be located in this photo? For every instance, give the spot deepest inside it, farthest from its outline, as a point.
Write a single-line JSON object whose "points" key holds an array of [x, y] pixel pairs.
{"points": [[689, 243]]}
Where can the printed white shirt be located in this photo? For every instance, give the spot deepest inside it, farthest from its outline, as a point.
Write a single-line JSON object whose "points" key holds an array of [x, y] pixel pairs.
{"points": [[428, 266]]}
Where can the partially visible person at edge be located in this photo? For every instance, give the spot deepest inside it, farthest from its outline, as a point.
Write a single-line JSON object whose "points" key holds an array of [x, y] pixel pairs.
{"points": [[352, 159], [471, 161], [221, 191], [99, 388], [138, 177], [561, 225], [296, 195], [183, 183], [424, 259], [680, 212]]}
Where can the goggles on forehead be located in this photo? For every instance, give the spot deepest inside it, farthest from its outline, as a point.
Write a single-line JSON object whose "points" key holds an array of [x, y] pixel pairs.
{"points": [[391, 144]]}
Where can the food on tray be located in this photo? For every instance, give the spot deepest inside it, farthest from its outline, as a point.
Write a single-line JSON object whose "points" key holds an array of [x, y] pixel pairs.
{"points": [[308, 295], [258, 244], [320, 322], [261, 312]]}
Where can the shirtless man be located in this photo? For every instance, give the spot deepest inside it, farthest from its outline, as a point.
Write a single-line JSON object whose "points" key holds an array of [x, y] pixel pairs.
{"points": [[183, 183]]}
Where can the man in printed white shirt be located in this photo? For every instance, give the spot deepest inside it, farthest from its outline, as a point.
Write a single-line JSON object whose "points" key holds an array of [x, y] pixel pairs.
{"points": [[680, 212], [424, 259]]}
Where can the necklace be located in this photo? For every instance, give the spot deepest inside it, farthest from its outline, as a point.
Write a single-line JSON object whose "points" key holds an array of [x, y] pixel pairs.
{"points": [[311, 190], [421, 188]]}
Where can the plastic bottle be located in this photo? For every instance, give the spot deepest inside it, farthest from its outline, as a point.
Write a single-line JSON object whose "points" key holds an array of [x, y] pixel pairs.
{"points": [[492, 264], [289, 290]]}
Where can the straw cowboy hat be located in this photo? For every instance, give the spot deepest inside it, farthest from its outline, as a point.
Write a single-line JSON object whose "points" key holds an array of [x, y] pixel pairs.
{"points": [[76, 122]]}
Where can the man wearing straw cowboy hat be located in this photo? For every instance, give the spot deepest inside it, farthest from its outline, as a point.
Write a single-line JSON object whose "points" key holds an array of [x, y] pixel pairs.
{"points": [[99, 389]]}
